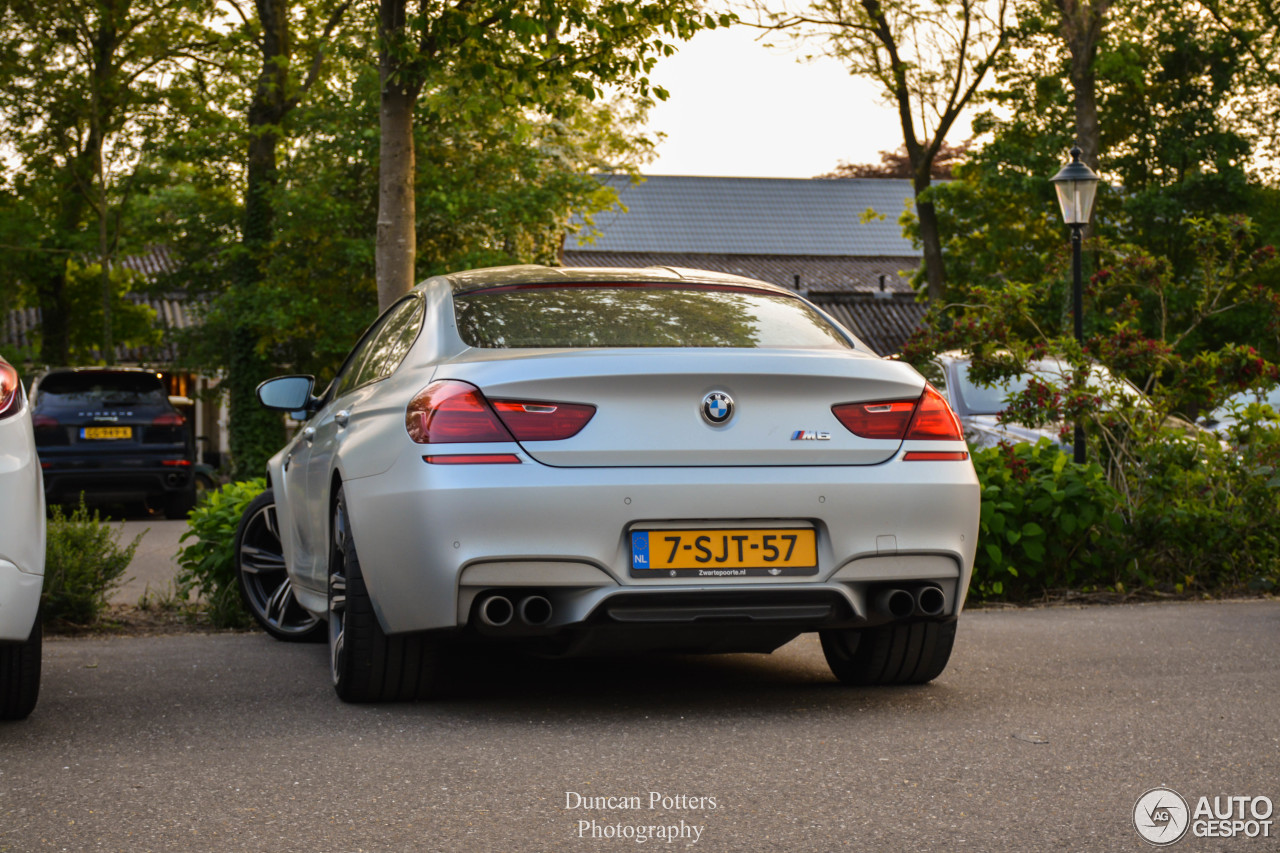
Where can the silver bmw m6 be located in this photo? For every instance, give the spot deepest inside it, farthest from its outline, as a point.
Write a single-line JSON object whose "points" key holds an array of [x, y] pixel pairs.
{"points": [[590, 461]]}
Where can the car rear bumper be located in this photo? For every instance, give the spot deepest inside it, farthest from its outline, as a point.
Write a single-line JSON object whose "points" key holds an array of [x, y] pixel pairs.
{"points": [[66, 479], [435, 540], [19, 601]]}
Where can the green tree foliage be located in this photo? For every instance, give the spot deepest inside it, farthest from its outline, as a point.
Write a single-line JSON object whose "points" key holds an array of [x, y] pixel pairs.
{"points": [[928, 59], [81, 91], [1188, 339], [1171, 88], [283, 253], [545, 60]]}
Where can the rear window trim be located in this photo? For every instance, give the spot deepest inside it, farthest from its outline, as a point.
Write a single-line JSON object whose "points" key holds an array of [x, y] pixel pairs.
{"points": [[624, 285]]}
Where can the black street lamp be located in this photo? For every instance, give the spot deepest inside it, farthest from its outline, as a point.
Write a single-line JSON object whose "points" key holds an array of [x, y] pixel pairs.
{"points": [[1076, 185]]}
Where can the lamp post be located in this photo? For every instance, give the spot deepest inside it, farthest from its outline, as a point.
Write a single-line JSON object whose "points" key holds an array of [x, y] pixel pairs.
{"points": [[1076, 185]]}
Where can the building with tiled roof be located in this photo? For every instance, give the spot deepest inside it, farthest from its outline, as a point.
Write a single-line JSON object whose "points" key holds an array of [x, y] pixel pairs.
{"points": [[837, 241]]}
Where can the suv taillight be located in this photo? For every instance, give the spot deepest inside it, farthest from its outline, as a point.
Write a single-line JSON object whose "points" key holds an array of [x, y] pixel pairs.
{"points": [[10, 390], [451, 412], [927, 418]]}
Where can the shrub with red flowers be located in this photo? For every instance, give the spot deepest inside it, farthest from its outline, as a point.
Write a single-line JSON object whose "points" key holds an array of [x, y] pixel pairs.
{"points": [[1160, 350]]}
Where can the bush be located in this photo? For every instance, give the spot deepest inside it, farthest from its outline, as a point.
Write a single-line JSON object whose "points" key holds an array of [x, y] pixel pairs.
{"points": [[1046, 522], [1207, 516], [83, 563], [208, 565]]}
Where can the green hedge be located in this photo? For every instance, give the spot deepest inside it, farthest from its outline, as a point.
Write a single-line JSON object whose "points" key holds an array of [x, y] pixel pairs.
{"points": [[1197, 513], [1046, 522], [208, 565]]}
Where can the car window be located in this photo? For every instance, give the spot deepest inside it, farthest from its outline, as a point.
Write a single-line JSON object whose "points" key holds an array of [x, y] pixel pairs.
{"points": [[560, 316], [383, 347], [391, 344], [992, 399], [102, 389]]}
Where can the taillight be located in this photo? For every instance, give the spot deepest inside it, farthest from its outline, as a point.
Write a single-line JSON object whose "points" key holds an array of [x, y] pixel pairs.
{"points": [[10, 390], [449, 411], [926, 418], [170, 419], [543, 421], [934, 420], [44, 422], [472, 459], [876, 420]]}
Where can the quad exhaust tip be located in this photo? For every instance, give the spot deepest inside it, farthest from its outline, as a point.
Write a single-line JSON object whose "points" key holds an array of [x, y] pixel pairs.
{"points": [[499, 611], [496, 611], [535, 610], [897, 603], [930, 601]]}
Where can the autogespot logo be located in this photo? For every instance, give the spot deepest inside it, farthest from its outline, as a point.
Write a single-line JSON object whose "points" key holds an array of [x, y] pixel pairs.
{"points": [[1161, 816]]}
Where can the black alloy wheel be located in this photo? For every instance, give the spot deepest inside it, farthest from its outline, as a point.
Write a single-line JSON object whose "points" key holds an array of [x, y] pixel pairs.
{"points": [[367, 664], [265, 587]]}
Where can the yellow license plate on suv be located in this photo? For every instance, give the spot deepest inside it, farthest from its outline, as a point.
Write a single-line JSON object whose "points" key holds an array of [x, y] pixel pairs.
{"points": [[94, 433], [724, 552]]}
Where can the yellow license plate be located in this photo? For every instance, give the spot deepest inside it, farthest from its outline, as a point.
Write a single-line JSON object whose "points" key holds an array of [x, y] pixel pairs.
{"points": [[724, 553], [106, 432]]}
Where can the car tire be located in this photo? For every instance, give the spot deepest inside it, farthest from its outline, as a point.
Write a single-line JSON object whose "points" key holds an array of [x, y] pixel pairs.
{"points": [[265, 587], [367, 664], [178, 505], [901, 653], [204, 484], [20, 675]]}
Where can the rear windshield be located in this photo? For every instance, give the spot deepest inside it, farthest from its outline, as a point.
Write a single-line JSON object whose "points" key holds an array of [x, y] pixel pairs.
{"points": [[106, 389], [640, 316]]}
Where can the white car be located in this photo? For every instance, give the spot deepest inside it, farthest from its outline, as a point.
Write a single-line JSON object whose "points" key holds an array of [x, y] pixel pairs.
{"points": [[21, 551], [575, 461], [1221, 419]]}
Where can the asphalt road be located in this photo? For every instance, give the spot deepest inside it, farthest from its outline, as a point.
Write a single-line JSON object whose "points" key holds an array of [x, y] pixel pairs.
{"points": [[1041, 735]]}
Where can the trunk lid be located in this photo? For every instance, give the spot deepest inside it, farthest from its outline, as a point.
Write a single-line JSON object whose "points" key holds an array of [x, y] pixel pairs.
{"points": [[649, 403]]}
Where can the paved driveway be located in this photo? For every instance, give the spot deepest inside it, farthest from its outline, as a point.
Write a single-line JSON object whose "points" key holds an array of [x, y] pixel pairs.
{"points": [[153, 567], [1042, 735]]}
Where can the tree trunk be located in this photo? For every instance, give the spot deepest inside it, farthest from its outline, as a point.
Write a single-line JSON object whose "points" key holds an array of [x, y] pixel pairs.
{"points": [[55, 310], [396, 252], [255, 432], [1082, 24], [931, 245], [397, 245]]}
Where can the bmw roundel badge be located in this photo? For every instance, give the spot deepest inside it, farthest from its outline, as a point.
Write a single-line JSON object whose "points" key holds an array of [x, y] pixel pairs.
{"points": [[717, 408]]}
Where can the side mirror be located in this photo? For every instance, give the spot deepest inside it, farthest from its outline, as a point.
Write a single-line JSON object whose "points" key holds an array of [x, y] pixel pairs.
{"points": [[288, 394]]}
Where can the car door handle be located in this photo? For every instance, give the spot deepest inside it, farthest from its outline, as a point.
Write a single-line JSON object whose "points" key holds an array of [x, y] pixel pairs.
{"points": [[342, 417], [309, 434]]}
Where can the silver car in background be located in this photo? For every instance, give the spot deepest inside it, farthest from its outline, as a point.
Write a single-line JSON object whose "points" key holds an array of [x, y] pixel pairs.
{"points": [[979, 406], [22, 540], [587, 461]]}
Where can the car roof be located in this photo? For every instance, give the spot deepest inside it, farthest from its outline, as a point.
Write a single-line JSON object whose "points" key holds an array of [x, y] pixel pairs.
{"points": [[463, 282], [98, 368]]}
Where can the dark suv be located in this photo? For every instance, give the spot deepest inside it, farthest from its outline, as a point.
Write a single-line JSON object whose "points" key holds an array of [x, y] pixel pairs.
{"points": [[111, 433]]}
